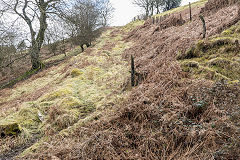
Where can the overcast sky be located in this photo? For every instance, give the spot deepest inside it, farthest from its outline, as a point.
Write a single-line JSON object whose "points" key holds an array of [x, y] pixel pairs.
{"points": [[125, 11]]}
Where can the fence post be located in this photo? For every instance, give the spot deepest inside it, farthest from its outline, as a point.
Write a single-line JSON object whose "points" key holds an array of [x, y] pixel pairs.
{"points": [[132, 72], [190, 11], [153, 20], [237, 44], [204, 25]]}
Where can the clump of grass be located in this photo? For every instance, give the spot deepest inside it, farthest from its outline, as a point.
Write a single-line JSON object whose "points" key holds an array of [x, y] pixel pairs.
{"points": [[186, 65], [219, 62], [57, 94], [76, 72]]}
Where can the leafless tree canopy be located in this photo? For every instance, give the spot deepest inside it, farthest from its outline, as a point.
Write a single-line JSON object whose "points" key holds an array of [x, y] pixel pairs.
{"points": [[151, 6], [84, 19], [7, 48], [34, 14], [106, 9]]}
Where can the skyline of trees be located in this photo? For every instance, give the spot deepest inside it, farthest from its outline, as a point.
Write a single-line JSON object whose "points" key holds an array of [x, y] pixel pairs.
{"points": [[150, 7]]}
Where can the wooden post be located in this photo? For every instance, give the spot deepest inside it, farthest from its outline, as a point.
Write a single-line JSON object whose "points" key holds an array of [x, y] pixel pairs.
{"points": [[132, 72], [204, 25], [237, 45], [181, 16], [153, 20], [157, 19], [190, 11]]}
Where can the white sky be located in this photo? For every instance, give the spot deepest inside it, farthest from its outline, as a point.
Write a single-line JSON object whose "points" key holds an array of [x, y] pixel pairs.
{"points": [[125, 11]]}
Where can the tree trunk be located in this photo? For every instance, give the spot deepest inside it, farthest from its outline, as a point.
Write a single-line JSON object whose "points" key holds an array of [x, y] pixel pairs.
{"points": [[152, 9], [36, 63], [147, 10], [158, 9], [37, 43], [82, 48]]}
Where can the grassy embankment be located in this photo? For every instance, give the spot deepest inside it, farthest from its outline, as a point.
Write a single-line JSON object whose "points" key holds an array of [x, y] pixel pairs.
{"points": [[69, 94]]}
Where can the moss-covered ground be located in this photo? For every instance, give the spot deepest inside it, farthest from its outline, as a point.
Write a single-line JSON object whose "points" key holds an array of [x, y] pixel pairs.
{"points": [[215, 58]]}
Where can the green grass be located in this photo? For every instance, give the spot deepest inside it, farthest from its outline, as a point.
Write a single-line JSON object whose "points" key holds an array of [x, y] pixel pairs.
{"points": [[132, 25], [175, 10]]}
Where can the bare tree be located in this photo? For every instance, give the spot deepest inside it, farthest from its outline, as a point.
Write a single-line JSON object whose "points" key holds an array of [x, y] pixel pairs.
{"points": [[21, 46], [144, 4], [85, 18], [106, 10], [158, 4], [7, 48], [34, 13], [170, 4]]}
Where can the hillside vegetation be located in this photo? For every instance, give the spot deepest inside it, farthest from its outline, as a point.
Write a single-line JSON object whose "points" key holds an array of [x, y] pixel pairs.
{"points": [[186, 104]]}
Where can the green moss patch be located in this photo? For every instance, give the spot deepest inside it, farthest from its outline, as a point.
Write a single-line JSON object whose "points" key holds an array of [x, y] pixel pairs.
{"points": [[9, 129], [216, 58]]}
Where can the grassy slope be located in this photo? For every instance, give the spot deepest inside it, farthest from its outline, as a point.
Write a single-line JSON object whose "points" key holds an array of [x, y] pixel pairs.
{"points": [[85, 87], [77, 90]]}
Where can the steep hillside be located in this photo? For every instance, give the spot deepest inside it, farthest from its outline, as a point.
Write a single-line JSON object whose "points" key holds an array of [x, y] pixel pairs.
{"points": [[186, 104]]}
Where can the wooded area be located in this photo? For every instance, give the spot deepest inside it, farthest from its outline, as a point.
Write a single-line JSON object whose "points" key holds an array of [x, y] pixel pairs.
{"points": [[28, 25]]}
